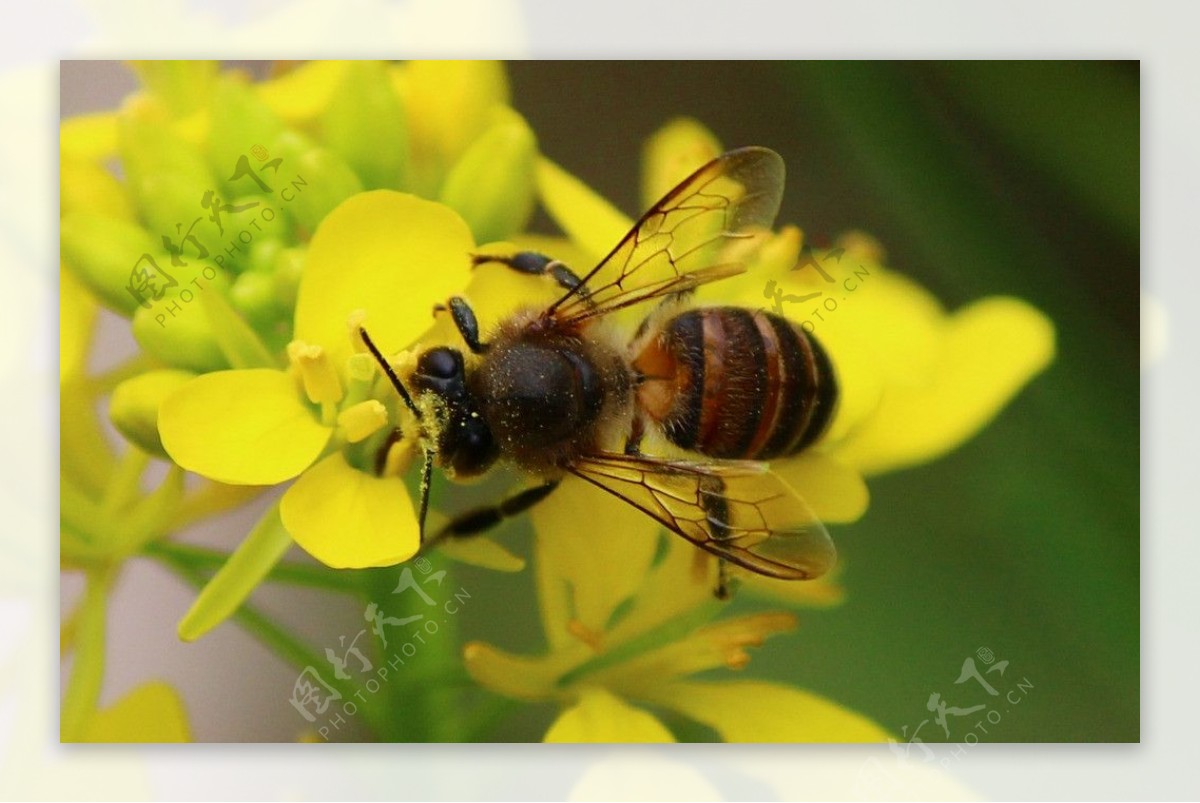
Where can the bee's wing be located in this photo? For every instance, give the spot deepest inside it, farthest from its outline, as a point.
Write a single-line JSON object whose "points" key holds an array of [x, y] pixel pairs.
{"points": [[678, 243], [737, 510]]}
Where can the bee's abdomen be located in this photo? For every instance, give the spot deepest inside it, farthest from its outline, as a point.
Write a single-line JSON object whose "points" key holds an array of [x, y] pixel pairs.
{"points": [[740, 384]]}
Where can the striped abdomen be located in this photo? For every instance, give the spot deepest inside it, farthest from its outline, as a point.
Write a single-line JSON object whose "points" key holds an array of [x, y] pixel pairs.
{"points": [[736, 384]]}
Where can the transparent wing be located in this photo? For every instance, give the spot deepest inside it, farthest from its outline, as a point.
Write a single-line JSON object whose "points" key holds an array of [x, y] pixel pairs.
{"points": [[683, 240], [737, 510]]}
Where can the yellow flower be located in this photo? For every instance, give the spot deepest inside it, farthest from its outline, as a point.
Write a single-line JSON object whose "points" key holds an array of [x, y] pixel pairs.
{"points": [[152, 713], [656, 633], [380, 256]]}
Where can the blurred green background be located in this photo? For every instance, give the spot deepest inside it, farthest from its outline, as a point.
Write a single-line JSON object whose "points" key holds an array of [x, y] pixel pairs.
{"points": [[979, 178]]}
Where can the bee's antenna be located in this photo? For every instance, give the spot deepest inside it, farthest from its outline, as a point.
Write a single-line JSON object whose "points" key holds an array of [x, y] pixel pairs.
{"points": [[426, 479], [396, 383]]}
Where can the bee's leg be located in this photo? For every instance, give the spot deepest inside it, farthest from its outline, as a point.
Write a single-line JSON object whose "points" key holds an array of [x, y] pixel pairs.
{"points": [[477, 521], [468, 326], [633, 444], [537, 264], [724, 589]]}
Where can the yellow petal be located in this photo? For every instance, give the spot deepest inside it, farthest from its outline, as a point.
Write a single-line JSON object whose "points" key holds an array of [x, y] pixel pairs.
{"points": [[720, 645], [601, 717], [76, 316], [241, 427], [390, 254], [300, 95], [518, 676], [350, 520], [483, 552], [760, 711], [835, 492], [988, 352], [151, 713], [85, 186], [594, 224], [91, 137], [672, 154], [588, 564]]}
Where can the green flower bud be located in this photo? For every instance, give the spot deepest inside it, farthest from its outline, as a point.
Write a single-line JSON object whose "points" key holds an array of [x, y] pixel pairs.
{"points": [[312, 180], [253, 296], [492, 186], [177, 331], [365, 125], [289, 267], [181, 86], [105, 253], [167, 176], [240, 121], [449, 104], [672, 154], [263, 255], [135, 403]]}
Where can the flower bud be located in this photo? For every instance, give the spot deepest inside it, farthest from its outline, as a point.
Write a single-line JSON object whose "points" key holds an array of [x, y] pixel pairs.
{"points": [[240, 121], [492, 184], [288, 268], [180, 86], [166, 175], [253, 296], [449, 104], [365, 125], [105, 253], [176, 331], [135, 403], [327, 179]]}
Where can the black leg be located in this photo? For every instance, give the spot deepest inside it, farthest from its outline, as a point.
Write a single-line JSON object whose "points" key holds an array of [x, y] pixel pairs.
{"points": [[468, 327], [633, 444], [477, 521], [537, 264], [724, 589]]}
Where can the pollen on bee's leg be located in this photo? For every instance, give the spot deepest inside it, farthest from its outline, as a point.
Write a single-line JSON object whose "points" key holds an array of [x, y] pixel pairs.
{"points": [[588, 636]]}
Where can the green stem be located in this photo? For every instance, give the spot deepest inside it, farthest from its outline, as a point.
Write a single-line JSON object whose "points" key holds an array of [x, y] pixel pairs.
{"points": [[289, 572], [280, 641], [125, 486], [87, 670]]}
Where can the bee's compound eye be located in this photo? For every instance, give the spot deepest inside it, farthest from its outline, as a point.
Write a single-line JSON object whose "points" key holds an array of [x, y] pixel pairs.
{"points": [[440, 363]]}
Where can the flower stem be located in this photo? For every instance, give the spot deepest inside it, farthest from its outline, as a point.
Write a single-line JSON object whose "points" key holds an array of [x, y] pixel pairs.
{"points": [[289, 572], [279, 640], [87, 670]]}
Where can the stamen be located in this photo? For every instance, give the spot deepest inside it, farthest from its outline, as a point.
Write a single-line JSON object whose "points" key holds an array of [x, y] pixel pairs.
{"points": [[362, 420], [321, 383]]}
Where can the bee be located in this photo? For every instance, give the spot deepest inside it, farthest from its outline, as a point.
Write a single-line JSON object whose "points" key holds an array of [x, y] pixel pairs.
{"points": [[555, 390]]}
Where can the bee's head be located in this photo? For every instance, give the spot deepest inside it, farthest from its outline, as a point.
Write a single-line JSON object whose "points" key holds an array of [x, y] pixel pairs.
{"points": [[464, 442]]}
